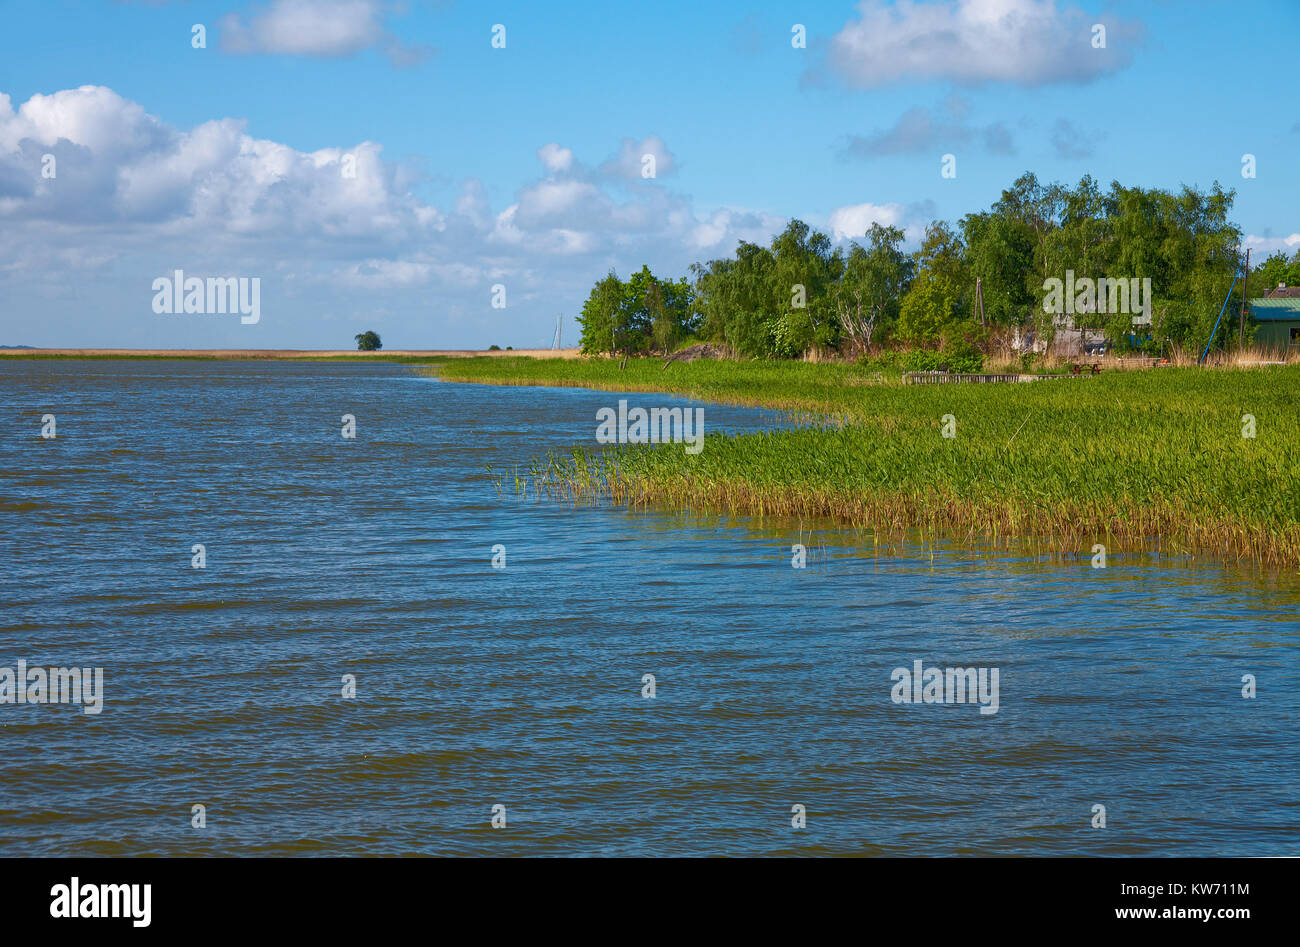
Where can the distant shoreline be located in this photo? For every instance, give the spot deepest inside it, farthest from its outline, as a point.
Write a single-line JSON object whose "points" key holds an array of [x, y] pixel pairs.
{"points": [[282, 354]]}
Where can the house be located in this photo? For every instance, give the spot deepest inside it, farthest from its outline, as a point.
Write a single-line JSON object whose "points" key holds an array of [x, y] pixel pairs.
{"points": [[1277, 314], [1066, 339]]}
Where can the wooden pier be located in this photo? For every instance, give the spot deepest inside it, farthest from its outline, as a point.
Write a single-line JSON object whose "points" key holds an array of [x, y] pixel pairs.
{"points": [[943, 378]]}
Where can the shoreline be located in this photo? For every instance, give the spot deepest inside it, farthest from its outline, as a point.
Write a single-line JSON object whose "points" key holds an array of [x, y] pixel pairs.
{"points": [[1169, 462], [283, 354]]}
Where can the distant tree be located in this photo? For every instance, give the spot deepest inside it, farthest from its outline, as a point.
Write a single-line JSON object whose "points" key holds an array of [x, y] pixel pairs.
{"points": [[1000, 249], [801, 291], [736, 301], [600, 315], [636, 315], [805, 269], [368, 342], [875, 280], [1274, 270], [936, 301]]}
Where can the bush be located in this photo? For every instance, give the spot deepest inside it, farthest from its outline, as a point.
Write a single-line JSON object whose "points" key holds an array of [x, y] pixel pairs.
{"points": [[959, 358], [881, 360], [921, 360]]}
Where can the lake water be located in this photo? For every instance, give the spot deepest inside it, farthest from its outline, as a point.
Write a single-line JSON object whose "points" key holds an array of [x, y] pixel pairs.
{"points": [[522, 687]]}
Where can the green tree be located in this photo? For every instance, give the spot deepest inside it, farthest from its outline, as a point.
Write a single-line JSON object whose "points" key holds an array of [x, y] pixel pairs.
{"points": [[636, 315], [368, 342], [869, 294], [1275, 270], [735, 299], [937, 301], [601, 316], [1000, 250]]}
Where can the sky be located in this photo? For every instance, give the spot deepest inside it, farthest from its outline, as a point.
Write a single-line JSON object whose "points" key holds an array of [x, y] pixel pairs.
{"points": [[458, 174]]}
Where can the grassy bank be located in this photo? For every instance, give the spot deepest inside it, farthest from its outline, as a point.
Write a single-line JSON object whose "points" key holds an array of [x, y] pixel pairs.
{"points": [[1132, 460], [406, 356]]}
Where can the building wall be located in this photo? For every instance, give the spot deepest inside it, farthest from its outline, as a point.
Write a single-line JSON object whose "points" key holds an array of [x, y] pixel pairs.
{"points": [[1275, 332]]}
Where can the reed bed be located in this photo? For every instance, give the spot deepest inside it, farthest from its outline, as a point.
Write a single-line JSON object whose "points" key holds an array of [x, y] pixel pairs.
{"points": [[1136, 461]]}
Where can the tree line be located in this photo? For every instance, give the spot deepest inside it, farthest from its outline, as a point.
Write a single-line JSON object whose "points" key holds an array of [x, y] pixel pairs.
{"points": [[965, 289]]}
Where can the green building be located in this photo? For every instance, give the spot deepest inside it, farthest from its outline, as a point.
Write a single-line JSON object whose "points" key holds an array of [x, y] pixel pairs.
{"points": [[1277, 314]]}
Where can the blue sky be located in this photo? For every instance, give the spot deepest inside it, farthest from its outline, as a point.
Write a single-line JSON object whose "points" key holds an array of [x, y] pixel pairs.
{"points": [[227, 160]]}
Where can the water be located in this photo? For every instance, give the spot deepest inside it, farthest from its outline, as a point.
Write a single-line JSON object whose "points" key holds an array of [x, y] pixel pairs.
{"points": [[522, 687]]}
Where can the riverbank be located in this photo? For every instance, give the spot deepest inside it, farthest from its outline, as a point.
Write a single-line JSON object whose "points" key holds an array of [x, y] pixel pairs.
{"points": [[1134, 461], [395, 355]]}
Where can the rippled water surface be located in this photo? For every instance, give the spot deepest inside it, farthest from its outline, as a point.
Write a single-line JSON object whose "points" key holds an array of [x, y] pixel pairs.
{"points": [[522, 686]]}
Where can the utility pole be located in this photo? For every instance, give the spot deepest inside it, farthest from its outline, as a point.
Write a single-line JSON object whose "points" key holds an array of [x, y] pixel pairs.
{"points": [[1241, 330]]}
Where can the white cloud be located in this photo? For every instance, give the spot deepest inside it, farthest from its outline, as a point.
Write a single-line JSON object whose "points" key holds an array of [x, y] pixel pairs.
{"points": [[852, 221], [627, 163], [92, 116], [306, 28], [1029, 42], [553, 203], [1263, 246], [317, 28], [385, 274], [554, 158], [722, 230], [134, 197]]}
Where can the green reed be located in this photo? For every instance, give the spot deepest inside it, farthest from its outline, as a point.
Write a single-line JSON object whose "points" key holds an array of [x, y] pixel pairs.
{"points": [[1132, 460]]}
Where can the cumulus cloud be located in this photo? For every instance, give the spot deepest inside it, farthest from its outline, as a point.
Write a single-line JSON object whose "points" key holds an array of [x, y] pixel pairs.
{"points": [[384, 274], [919, 130], [852, 221], [317, 28], [1027, 42], [628, 162], [336, 233], [554, 158], [1268, 244]]}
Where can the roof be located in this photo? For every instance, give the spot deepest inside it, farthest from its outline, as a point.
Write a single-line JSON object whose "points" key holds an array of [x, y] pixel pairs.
{"points": [[1273, 308], [1282, 291]]}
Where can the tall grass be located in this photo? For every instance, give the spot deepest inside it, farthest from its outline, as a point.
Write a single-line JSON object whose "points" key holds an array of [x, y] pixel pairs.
{"points": [[1134, 460]]}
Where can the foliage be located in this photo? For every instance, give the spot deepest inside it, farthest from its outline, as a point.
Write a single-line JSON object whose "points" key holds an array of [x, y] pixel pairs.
{"points": [[800, 291], [1115, 459], [636, 316], [1277, 268]]}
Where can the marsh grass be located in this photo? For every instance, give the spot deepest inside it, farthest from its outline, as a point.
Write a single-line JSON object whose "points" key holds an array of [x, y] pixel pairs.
{"points": [[1136, 461]]}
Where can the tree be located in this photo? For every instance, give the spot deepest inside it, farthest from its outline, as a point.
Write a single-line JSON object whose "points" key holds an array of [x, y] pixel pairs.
{"points": [[600, 315], [735, 299], [368, 342], [800, 290], [636, 315], [867, 297], [936, 302], [1276, 269], [1000, 249]]}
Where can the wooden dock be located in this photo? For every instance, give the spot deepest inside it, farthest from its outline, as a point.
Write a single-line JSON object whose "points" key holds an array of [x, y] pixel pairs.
{"points": [[944, 378]]}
